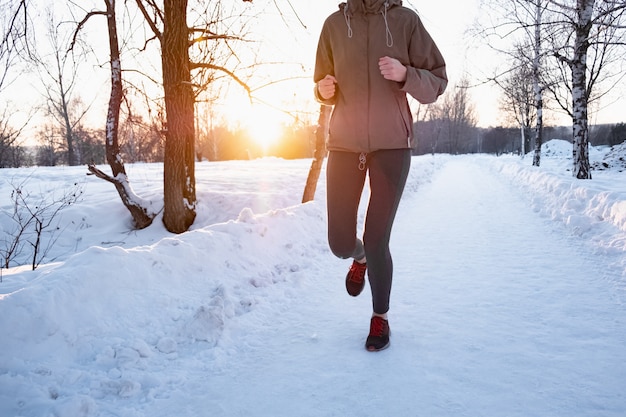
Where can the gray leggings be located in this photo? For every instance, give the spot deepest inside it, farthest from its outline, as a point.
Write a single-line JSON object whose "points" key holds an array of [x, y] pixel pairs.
{"points": [[388, 170]]}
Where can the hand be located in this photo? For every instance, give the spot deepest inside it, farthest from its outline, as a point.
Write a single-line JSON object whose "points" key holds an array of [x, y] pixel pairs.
{"points": [[326, 87], [392, 69]]}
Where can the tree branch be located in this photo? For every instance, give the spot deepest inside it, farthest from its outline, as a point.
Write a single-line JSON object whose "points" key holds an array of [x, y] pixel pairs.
{"points": [[196, 65], [81, 24], [149, 20]]}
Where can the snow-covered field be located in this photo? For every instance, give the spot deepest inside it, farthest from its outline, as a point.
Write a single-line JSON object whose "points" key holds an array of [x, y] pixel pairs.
{"points": [[509, 297]]}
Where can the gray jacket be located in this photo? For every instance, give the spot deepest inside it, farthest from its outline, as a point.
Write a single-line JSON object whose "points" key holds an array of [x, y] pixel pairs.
{"points": [[370, 112]]}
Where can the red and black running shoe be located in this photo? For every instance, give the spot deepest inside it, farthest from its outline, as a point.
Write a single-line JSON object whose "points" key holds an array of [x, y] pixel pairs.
{"points": [[355, 280], [378, 338]]}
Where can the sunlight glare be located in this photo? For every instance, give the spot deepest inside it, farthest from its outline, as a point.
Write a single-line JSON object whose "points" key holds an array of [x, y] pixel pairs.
{"points": [[264, 125]]}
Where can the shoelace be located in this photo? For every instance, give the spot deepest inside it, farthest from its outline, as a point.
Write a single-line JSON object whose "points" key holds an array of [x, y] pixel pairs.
{"points": [[377, 327], [357, 272]]}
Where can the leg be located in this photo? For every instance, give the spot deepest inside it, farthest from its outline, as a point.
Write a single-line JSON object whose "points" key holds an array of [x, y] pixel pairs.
{"points": [[388, 171], [344, 185]]}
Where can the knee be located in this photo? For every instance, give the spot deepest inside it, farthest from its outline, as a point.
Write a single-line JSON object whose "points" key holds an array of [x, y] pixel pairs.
{"points": [[341, 250], [344, 248]]}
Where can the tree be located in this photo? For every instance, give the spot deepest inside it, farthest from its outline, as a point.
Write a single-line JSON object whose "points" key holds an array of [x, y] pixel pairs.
{"points": [[618, 134], [13, 21], [592, 32], [140, 140], [139, 209], [521, 22], [455, 115], [176, 38], [11, 153], [13, 31], [179, 165], [60, 74], [320, 153], [538, 85], [518, 98]]}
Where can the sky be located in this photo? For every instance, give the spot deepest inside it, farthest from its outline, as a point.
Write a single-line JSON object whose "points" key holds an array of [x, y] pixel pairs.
{"points": [[509, 297], [448, 33], [291, 39], [294, 37]]}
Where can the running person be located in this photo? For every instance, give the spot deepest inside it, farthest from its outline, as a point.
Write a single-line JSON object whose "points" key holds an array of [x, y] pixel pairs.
{"points": [[370, 54]]}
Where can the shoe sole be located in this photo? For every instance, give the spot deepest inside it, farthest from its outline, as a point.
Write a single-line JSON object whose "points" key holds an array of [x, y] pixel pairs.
{"points": [[354, 294], [373, 349]]}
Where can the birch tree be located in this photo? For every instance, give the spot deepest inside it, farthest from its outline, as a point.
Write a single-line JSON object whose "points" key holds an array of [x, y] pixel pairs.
{"points": [[592, 37], [521, 22], [538, 86]]}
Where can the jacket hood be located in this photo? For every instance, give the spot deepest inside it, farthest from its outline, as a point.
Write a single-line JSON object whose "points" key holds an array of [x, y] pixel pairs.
{"points": [[353, 7], [369, 6]]}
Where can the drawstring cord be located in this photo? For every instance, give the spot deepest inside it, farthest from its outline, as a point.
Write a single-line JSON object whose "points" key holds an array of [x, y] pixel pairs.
{"points": [[362, 161], [388, 35], [346, 16]]}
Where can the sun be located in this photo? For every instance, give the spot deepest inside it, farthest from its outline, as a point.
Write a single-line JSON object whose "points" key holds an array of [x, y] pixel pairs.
{"points": [[264, 125]]}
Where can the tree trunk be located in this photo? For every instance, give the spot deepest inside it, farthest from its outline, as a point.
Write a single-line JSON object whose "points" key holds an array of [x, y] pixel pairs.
{"points": [[72, 160], [142, 217], [318, 155], [538, 89], [582, 168], [179, 190]]}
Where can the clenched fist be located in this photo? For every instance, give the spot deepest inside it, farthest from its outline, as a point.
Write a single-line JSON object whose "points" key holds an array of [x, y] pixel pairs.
{"points": [[326, 87], [392, 69]]}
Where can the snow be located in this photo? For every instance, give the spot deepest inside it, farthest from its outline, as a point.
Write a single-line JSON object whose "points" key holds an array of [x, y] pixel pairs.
{"points": [[508, 298]]}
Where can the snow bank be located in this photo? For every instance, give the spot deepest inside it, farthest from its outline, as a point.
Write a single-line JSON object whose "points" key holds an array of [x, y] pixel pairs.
{"points": [[593, 208], [95, 323]]}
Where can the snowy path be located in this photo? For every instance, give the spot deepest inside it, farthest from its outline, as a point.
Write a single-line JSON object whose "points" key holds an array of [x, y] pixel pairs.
{"points": [[496, 310], [514, 331]]}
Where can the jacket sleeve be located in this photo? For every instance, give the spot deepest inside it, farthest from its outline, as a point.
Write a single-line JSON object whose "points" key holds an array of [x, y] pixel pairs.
{"points": [[426, 77], [324, 64]]}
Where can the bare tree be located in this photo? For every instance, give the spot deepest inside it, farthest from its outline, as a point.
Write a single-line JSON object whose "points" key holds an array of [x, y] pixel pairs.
{"points": [[141, 140], [591, 38], [140, 209], [11, 153], [13, 28], [521, 23], [321, 133], [538, 85], [179, 193], [207, 134], [455, 116], [518, 98], [59, 73], [169, 25]]}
